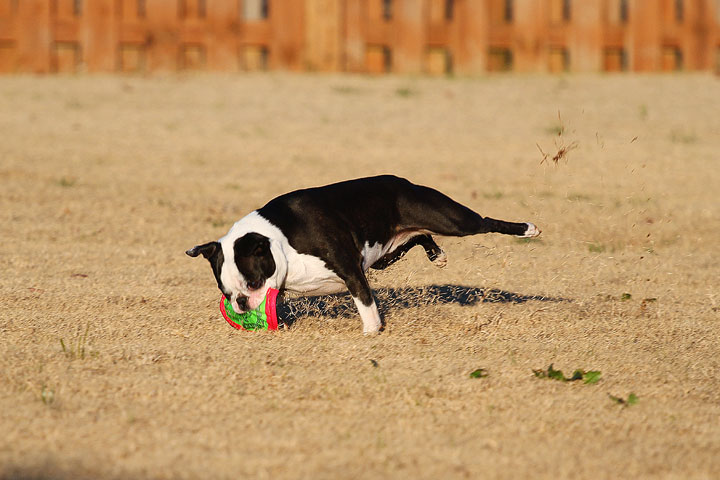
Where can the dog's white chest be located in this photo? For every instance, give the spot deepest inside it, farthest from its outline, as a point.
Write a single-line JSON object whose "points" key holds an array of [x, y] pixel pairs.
{"points": [[309, 275]]}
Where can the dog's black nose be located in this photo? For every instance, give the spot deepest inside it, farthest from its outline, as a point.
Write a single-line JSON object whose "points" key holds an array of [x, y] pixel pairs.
{"points": [[243, 304]]}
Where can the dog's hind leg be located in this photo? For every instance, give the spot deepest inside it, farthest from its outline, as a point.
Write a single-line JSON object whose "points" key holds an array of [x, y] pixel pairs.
{"points": [[430, 210], [433, 251]]}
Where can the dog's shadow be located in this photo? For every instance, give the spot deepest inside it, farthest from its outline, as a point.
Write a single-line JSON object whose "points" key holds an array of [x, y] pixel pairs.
{"points": [[389, 299]]}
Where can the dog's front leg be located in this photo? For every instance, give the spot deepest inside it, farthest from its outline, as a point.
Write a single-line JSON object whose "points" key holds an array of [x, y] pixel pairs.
{"points": [[369, 315], [348, 266], [362, 295]]}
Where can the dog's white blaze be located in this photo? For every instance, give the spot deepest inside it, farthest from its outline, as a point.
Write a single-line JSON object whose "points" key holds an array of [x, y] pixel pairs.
{"points": [[231, 276], [369, 315]]}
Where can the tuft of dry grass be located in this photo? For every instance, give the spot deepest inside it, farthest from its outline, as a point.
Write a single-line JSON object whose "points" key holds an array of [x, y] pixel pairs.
{"points": [[562, 148]]}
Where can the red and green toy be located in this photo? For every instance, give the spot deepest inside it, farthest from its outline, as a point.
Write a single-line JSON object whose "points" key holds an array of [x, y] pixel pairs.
{"points": [[264, 317]]}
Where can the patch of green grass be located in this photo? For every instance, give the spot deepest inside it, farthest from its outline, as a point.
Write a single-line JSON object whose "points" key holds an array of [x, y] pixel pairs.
{"points": [[493, 195], [346, 90], [680, 136], [217, 222], [579, 197], [76, 348], [632, 399], [625, 297], [479, 373], [555, 130], [47, 395], [73, 104], [197, 158], [528, 240], [639, 200], [593, 376], [260, 131], [405, 92], [597, 248], [67, 182]]}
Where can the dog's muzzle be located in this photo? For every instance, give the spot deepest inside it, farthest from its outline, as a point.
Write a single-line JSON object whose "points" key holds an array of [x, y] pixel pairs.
{"points": [[242, 304]]}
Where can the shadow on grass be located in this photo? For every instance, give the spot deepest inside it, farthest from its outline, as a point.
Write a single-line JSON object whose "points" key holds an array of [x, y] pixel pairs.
{"points": [[388, 299], [48, 471]]}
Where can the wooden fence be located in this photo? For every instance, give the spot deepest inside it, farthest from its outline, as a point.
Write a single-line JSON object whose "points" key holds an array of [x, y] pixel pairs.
{"points": [[376, 36]]}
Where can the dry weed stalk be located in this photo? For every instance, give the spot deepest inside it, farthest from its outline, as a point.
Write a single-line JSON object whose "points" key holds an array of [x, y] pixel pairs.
{"points": [[562, 149]]}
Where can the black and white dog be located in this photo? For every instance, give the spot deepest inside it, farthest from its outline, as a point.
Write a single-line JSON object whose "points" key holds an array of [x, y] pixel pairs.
{"points": [[322, 240]]}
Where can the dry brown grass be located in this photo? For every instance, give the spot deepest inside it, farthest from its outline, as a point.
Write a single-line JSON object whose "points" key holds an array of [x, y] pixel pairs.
{"points": [[105, 181], [563, 149]]}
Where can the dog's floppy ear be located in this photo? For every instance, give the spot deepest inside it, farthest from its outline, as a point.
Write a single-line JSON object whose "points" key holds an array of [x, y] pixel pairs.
{"points": [[252, 244], [207, 250]]}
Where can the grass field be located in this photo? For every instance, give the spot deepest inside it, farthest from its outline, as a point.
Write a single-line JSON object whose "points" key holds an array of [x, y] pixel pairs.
{"points": [[115, 362]]}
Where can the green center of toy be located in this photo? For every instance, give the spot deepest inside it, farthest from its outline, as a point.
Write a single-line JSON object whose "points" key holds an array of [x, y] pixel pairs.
{"points": [[251, 320]]}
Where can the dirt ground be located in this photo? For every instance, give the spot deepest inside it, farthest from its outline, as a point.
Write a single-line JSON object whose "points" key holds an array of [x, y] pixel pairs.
{"points": [[116, 363]]}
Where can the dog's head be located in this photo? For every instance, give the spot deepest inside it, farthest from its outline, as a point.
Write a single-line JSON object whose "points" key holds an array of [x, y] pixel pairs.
{"points": [[242, 268]]}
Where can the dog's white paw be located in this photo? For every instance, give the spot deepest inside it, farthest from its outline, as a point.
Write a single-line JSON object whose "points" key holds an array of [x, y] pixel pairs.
{"points": [[370, 317], [532, 231], [371, 327], [441, 260]]}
